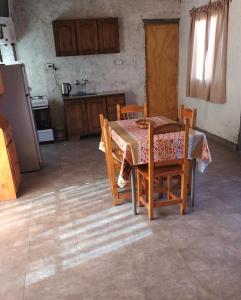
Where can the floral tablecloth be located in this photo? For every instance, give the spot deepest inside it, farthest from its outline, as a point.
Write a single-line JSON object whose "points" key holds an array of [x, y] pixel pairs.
{"points": [[131, 146]]}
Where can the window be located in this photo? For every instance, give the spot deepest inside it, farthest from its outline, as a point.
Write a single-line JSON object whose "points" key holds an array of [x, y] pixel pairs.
{"points": [[206, 74], [199, 48]]}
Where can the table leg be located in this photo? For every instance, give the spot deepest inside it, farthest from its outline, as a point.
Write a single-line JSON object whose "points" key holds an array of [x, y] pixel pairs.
{"points": [[193, 182], [133, 190]]}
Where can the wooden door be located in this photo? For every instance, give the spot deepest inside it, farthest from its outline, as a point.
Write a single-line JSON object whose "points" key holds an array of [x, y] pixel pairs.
{"points": [[162, 44], [95, 106], [87, 36], [65, 37], [75, 114], [108, 34]]}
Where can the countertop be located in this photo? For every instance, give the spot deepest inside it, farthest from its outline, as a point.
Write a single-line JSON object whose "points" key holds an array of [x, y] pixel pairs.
{"points": [[98, 94]]}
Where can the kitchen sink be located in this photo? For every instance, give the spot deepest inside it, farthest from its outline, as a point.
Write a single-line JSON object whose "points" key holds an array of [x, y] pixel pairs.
{"points": [[84, 94]]}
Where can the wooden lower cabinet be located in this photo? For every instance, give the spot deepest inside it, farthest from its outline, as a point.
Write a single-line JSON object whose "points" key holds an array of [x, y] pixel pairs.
{"points": [[9, 167], [95, 107], [82, 114], [75, 113], [111, 103]]}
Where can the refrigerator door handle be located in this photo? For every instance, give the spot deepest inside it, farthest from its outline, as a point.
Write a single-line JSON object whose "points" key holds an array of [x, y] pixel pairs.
{"points": [[40, 107]]}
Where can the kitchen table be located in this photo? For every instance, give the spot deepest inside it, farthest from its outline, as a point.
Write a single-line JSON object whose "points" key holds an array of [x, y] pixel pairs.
{"points": [[131, 147]]}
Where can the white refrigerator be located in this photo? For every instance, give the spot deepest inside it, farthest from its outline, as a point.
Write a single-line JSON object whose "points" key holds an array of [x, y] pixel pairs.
{"points": [[16, 106]]}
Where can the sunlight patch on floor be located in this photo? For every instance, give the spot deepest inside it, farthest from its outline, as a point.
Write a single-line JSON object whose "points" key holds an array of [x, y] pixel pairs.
{"points": [[89, 227]]}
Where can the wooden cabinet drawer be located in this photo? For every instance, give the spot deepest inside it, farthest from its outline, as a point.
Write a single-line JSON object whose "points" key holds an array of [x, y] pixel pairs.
{"points": [[115, 99], [8, 134]]}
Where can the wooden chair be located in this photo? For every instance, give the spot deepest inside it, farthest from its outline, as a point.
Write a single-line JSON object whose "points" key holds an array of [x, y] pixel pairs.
{"points": [[113, 165], [131, 111], [148, 175], [117, 163], [188, 113], [191, 115]]}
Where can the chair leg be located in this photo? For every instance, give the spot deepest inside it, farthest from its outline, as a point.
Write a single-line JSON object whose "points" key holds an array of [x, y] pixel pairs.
{"points": [[139, 188], [189, 177], [169, 187], [183, 194], [160, 185], [150, 200], [116, 196], [143, 189]]}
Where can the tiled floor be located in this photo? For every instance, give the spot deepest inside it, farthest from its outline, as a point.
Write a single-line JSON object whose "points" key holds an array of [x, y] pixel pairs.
{"points": [[63, 239]]}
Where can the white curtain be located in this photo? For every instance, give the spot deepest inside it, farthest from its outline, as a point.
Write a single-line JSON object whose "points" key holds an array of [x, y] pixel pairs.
{"points": [[207, 55]]}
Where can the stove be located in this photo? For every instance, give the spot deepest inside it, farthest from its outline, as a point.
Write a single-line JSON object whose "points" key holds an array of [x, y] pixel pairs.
{"points": [[41, 112]]}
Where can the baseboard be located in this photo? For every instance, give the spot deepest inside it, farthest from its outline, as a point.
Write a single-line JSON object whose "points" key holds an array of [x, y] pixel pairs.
{"points": [[220, 140]]}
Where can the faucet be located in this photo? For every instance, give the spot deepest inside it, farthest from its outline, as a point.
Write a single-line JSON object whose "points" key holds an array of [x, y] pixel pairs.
{"points": [[83, 82]]}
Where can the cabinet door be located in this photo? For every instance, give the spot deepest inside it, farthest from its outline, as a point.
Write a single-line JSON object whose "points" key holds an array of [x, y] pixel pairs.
{"points": [[108, 34], [95, 106], [112, 101], [13, 161], [65, 37], [75, 117], [87, 36]]}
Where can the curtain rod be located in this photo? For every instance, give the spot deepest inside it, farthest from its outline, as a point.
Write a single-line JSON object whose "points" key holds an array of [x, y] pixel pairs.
{"points": [[205, 6]]}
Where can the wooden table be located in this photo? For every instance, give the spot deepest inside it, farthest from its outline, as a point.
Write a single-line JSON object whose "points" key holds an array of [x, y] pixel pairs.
{"points": [[131, 147]]}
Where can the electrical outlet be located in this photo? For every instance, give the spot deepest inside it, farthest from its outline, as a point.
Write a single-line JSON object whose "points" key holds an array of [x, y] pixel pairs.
{"points": [[50, 66]]}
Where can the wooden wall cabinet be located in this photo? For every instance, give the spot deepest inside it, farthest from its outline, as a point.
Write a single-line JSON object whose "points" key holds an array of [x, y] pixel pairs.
{"points": [[82, 114], [9, 167], [108, 34], [86, 36], [65, 38]]}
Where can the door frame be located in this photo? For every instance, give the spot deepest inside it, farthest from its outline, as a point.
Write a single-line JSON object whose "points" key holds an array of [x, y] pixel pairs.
{"points": [[146, 23]]}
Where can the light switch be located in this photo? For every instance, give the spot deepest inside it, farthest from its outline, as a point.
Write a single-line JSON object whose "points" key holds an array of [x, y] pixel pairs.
{"points": [[119, 62]]}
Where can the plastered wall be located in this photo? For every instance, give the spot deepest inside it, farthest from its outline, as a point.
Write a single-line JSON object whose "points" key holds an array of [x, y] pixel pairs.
{"points": [[35, 47], [33, 19], [220, 119]]}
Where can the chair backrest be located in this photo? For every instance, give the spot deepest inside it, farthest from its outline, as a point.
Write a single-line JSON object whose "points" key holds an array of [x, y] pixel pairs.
{"points": [[190, 114], [108, 153], [170, 143], [101, 122], [131, 111]]}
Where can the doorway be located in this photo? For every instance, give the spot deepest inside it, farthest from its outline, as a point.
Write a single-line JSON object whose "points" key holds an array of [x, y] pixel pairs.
{"points": [[162, 54]]}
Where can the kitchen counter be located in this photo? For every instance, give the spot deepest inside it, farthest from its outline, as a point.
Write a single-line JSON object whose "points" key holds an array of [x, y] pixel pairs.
{"points": [[82, 112], [93, 95]]}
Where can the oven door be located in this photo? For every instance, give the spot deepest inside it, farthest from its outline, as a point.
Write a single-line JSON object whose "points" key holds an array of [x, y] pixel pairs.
{"points": [[42, 117]]}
